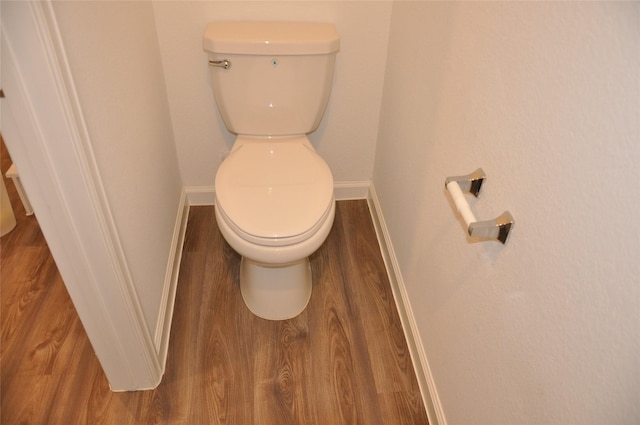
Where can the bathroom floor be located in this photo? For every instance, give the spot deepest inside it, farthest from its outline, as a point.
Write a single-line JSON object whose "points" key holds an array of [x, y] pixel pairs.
{"points": [[343, 360]]}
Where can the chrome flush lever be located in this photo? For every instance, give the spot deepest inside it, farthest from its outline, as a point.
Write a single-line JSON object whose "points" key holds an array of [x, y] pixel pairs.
{"points": [[221, 64]]}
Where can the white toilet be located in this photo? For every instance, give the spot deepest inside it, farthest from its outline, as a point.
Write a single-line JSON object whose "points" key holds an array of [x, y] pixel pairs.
{"points": [[274, 194]]}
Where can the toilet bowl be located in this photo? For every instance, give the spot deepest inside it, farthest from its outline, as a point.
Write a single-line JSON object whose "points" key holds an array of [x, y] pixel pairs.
{"points": [[275, 207], [274, 203]]}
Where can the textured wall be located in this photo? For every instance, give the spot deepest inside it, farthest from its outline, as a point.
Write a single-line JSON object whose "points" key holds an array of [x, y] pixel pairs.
{"points": [[546, 98]]}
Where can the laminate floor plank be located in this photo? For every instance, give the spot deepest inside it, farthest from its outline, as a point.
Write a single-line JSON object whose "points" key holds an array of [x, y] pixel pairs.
{"points": [[343, 360]]}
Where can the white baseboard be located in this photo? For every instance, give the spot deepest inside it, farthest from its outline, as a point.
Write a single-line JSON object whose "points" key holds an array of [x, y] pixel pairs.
{"points": [[430, 397], [349, 190], [206, 195], [200, 195], [165, 315]]}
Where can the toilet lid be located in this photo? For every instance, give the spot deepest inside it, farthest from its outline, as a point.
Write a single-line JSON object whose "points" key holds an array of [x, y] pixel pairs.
{"points": [[274, 189]]}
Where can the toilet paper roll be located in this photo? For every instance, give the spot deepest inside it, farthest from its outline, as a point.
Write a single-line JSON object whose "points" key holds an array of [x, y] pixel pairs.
{"points": [[461, 203]]}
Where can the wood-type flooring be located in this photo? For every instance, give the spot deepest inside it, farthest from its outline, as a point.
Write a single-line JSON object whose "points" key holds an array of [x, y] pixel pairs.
{"points": [[344, 360]]}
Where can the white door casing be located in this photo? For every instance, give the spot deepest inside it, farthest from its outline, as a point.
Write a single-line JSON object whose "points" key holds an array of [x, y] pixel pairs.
{"points": [[44, 130]]}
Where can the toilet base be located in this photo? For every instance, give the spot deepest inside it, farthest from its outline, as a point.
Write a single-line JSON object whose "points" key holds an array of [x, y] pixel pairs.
{"points": [[275, 292]]}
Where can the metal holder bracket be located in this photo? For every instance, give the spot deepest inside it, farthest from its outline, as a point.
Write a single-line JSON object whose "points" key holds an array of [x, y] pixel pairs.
{"points": [[497, 229], [470, 183]]}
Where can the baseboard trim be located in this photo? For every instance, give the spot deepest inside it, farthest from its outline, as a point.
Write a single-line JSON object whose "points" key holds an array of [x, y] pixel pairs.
{"points": [[349, 190], [165, 315], [200, 195], [344, 191], [430, 397]]}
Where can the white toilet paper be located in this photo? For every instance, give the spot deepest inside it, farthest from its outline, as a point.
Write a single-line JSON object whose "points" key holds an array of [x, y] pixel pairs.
{"points": [[461, 203]]}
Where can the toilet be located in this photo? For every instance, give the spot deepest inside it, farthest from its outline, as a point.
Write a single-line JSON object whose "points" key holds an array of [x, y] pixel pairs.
{"points": [[274, 199]]}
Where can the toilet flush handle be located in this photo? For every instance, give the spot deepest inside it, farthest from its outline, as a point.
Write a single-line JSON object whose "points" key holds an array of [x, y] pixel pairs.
{"points": [[221, 64]]}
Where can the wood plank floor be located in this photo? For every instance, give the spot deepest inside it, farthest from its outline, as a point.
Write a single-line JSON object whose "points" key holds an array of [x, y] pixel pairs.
{"points": [[344, 360]]}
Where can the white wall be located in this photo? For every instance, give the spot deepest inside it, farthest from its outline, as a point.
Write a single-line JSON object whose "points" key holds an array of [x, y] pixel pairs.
{"points": [[347, 135], [114, 57], [546, 98]]}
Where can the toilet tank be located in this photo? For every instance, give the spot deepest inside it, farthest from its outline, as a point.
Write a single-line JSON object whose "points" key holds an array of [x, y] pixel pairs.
{"points": [[279, 76]]}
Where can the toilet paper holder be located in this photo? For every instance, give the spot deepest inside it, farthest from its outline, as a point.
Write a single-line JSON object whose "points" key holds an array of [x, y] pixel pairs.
{"points": [[497, 229]]}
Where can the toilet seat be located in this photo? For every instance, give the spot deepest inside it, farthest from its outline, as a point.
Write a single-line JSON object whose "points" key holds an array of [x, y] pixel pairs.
{"points": [[274, 191]]}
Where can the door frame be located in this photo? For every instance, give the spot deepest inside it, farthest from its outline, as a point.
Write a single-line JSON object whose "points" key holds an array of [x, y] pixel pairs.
{"points": [[44, 130]]}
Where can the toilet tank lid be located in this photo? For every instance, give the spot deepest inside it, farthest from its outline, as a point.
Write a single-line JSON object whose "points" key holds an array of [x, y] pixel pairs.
{"points": [[271, 38]]}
